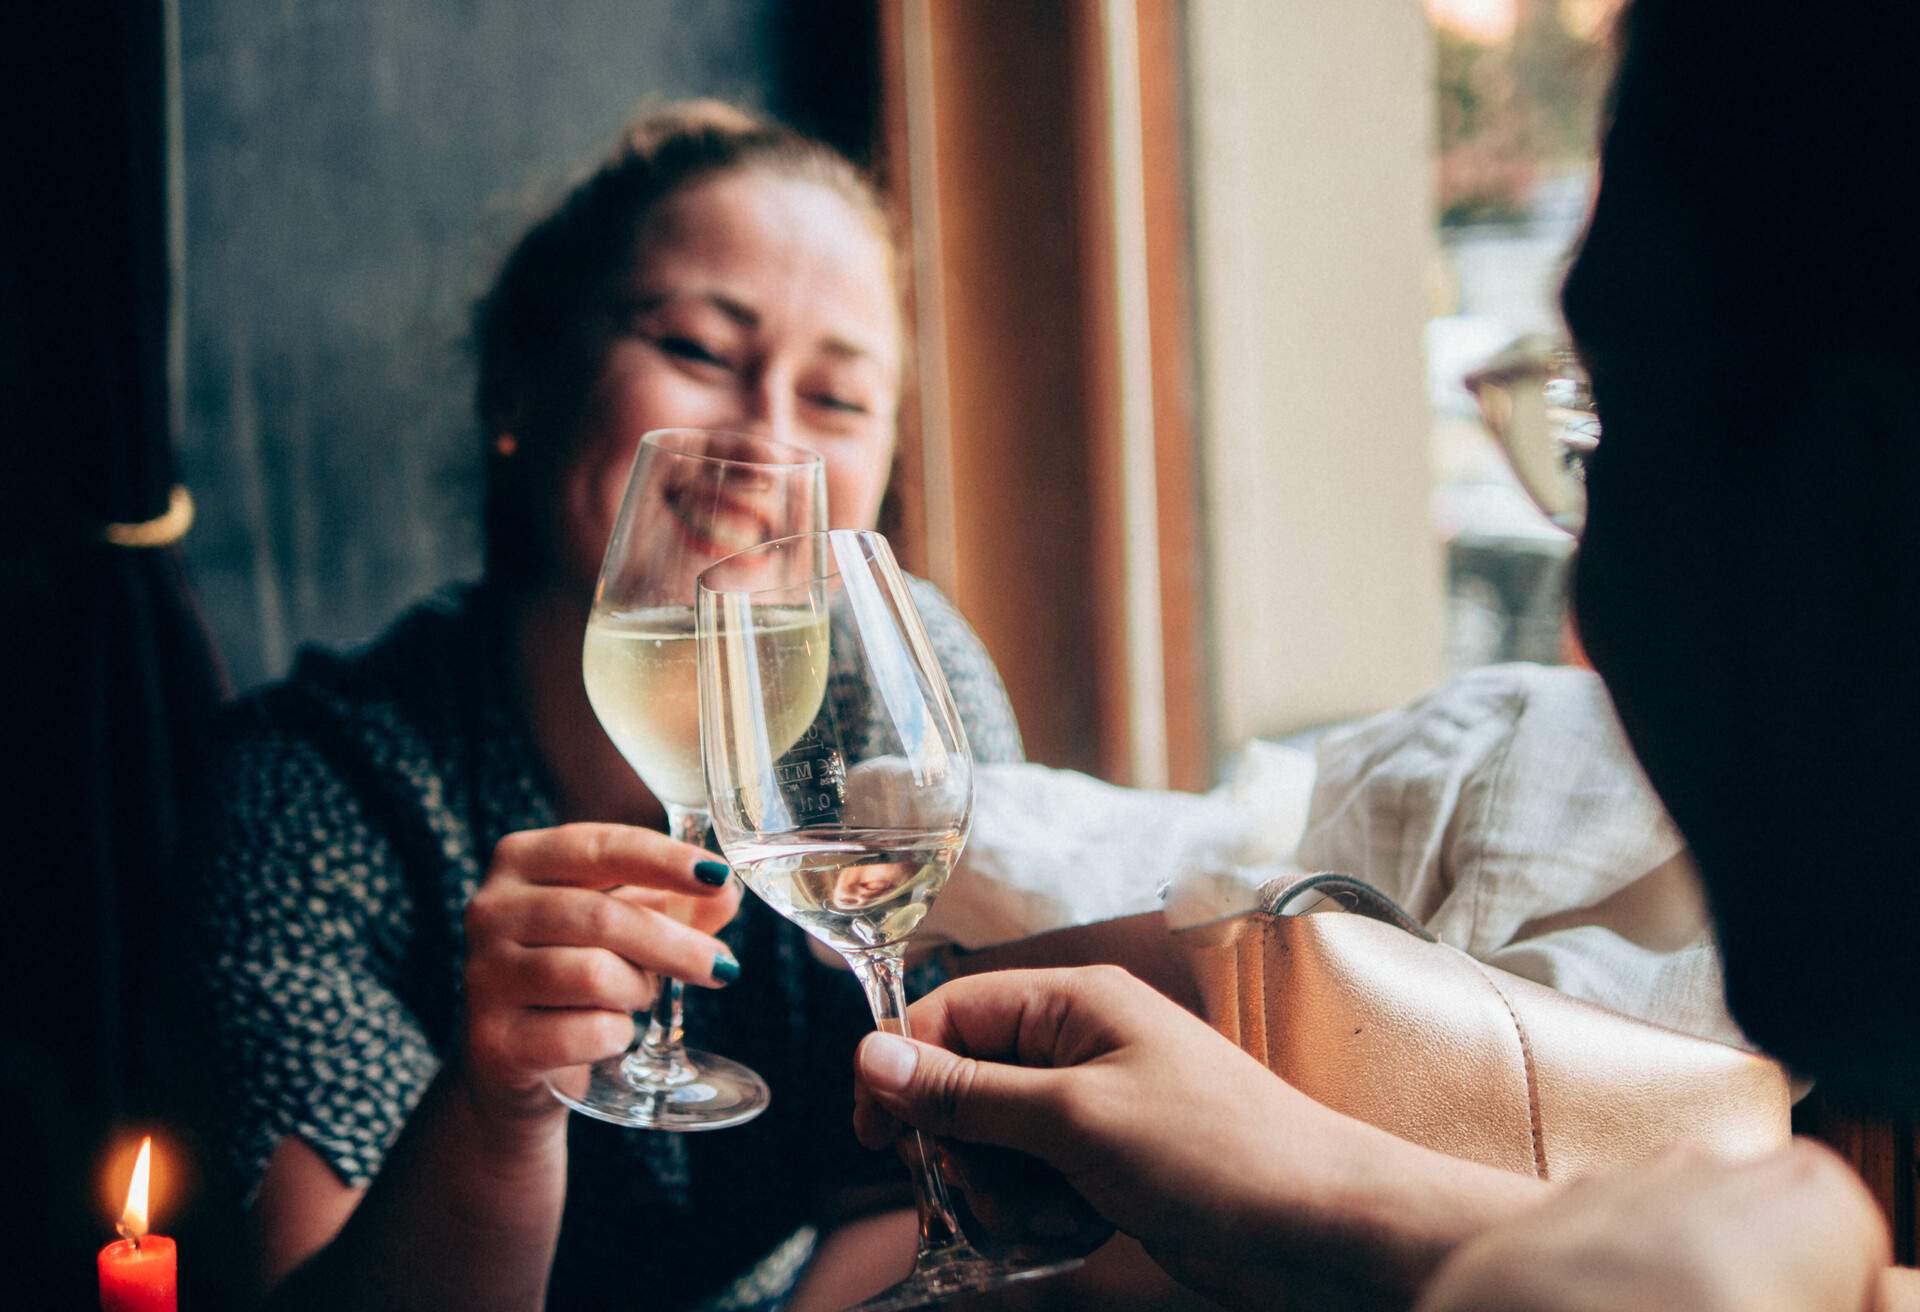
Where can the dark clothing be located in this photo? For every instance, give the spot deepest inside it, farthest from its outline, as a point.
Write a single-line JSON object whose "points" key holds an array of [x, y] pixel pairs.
{"points": [[352, 811]]}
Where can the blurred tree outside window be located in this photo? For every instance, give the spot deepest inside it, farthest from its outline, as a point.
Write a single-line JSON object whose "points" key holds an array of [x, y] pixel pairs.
{"points": [[1519, 86]]}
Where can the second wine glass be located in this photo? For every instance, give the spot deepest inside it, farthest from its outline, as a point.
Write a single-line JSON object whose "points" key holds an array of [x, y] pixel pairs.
{"points": [[849, 828], [694, 496]]}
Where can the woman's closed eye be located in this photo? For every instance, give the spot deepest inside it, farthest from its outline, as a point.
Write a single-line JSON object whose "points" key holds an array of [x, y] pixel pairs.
{"points": [[846, 405], [691, 349], [839, 394]]}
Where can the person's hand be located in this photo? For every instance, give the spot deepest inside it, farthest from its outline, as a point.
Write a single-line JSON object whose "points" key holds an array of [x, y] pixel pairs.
{"points": [[1132, 1103], [560, 937], [1235, 1182], [1794, 1231]]}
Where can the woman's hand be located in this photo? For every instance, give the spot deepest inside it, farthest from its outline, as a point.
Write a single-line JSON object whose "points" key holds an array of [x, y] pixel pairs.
{"points": [[560, 937], [1794, 1231], [1237, 1183]]}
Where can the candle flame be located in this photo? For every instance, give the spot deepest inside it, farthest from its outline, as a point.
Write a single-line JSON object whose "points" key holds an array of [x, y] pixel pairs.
{"points": [[133, 1221]]}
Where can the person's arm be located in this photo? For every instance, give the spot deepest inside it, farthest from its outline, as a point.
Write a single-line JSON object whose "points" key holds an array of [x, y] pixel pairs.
{"points": [[1794, 1231], [1899, 1290], [1239, 1185], [858, 1259], [465, 1210], [464, 1213]]}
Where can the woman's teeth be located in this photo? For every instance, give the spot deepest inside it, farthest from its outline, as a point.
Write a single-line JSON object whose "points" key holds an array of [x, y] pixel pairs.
{"points": [[732, 532], [729, 531]]}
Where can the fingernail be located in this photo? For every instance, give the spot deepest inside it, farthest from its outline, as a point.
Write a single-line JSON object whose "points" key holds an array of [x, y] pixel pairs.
{"points": [[725, 969], [711, 872], [887, 1062]]}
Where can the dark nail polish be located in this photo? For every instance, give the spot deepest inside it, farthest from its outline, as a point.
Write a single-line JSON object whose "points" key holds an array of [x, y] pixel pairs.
{"points": [[711, 872], [725, 969]]}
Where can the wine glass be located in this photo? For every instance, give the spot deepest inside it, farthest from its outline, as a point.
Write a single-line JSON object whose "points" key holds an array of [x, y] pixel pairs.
{"points": [[849, 820], [694, 496]]}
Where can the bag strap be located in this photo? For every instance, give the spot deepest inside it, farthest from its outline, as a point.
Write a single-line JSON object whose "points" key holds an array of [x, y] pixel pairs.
{"points": [[1279, 898]]}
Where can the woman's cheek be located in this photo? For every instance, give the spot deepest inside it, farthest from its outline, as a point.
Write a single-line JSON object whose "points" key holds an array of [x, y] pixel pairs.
{"points": [[856, 480], [646, 393]]}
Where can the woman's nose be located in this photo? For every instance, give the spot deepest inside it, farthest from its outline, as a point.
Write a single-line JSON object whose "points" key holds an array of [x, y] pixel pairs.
{"points": [[769, 407]]}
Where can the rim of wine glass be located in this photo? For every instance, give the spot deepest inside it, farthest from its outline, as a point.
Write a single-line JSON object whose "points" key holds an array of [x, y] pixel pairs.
{"points": [[867, 537], [805, 458]]}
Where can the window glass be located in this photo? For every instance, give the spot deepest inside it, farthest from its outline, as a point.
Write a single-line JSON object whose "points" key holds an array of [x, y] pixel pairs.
{"points": [[1518, 86]]}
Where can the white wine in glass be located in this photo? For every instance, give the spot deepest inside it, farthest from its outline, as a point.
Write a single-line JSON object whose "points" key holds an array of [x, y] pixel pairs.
{"points": [[853, 889], [850, 829], [693, 496], [639, 669]]}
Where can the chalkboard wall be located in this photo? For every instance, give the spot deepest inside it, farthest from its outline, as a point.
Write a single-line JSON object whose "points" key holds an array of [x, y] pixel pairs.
{"points": [[354, 171]]}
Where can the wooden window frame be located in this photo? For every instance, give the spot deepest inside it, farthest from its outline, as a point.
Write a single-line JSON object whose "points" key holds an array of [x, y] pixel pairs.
{"points": [[1046, 480]]}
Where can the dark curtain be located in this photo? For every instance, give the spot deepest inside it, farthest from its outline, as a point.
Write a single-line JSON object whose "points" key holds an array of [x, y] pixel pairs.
{"points": [[110, 671]]}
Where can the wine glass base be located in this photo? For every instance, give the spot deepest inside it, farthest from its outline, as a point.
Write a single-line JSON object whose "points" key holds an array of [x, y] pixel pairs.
{"points": [[721, 1093], [939, 1276]]}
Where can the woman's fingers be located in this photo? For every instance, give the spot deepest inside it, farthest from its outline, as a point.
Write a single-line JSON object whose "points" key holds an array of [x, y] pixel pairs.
{"points": [[571, 978], [534, 1010], [707, 914], [648, 939], [552, 1040], [556, 963], [602, 855]]}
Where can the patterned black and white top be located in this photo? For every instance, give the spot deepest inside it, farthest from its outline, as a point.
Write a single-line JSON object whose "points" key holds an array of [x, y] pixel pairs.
{"points": [[350, 813]]}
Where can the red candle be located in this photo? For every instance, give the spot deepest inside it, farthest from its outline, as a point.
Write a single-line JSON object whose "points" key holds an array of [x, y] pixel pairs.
{"points": [[138, 1277], [139, 1273]]}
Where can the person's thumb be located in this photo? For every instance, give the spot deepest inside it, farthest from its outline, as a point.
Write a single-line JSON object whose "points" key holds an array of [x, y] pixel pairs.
{"points": [[957, 1097]]}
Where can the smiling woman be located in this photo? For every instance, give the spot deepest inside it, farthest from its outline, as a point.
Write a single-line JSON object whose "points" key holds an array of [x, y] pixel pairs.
{"points": [[715, 272], [403, 937]]}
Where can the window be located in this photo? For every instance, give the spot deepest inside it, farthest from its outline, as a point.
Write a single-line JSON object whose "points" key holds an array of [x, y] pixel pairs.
{"points": [[1518, 86]]}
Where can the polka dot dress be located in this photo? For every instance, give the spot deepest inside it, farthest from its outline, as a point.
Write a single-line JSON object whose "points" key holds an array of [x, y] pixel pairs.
{"points": [[349, 816]]}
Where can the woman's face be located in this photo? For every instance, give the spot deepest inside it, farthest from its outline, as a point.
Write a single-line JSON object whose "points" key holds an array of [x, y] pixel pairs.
{"points": [[757, 303]]}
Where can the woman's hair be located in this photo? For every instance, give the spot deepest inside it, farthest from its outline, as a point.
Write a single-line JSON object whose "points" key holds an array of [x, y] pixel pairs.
{"points": [[541, 330], [1765, 143], [1745, 582]]}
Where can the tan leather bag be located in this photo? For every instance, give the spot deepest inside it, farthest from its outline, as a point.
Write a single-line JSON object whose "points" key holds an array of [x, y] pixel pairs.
{"points": [[1358, 1007]]}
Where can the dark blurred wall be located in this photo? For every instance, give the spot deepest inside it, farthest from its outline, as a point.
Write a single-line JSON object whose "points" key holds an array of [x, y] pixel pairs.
{"points": [[354, 171]]}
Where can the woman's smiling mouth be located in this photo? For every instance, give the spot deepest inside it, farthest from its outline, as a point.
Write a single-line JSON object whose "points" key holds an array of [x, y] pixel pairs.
{"points": [[713, 523]]}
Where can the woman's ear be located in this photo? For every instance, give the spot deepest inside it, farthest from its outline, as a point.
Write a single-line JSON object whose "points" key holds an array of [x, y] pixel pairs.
{"points": [[504, 413]]}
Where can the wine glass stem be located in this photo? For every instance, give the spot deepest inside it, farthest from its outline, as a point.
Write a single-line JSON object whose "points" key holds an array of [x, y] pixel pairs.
{"points": [[882, 974], [661, 1052]]}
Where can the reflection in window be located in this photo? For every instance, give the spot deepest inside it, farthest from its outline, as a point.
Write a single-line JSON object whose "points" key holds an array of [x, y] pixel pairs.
{"points": [[1518, 87]]}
